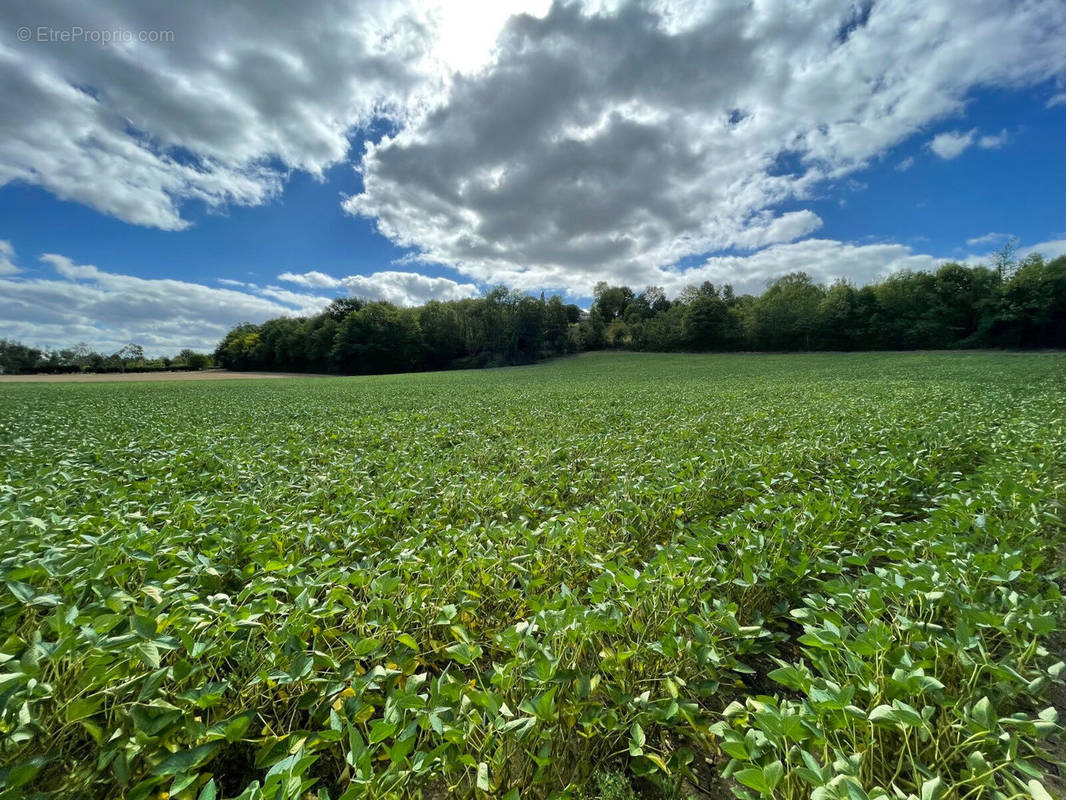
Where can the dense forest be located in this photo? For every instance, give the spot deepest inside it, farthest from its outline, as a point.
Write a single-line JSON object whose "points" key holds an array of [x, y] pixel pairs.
{"points": [[1011, 305]]}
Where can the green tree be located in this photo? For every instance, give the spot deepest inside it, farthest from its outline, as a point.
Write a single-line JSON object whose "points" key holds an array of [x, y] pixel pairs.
{"points": [[378, 338], [784, 316], [194, 360], [611, 301], [1032, 307], [16, 357], [238, 349], [706, 324], [845, 315], [443, 340], [341, 307], [556, 326]]}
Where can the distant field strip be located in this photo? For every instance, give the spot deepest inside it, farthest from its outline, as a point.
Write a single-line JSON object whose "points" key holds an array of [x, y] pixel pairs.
{"points": [[828, 576], [141, 377]]}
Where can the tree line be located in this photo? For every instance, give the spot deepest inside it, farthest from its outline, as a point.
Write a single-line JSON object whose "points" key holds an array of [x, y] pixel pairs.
{"points": [[353, 335], [18, 358], [1009, 305]]}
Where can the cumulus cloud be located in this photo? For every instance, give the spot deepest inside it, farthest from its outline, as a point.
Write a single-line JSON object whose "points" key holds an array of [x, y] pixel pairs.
{"points": [[223, 107], [7, 258], [951, 144], [825, 260], [81, 302], [315, 279], [602, 144], [401, 288], [582, 141], [1053, 248]]}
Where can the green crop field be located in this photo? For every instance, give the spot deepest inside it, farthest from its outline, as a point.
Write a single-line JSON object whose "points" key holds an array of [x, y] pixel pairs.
{"points": [[827, 576]]}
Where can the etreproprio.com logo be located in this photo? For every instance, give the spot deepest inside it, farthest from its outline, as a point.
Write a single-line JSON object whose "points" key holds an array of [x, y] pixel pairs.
{"points": [[78, 35]]}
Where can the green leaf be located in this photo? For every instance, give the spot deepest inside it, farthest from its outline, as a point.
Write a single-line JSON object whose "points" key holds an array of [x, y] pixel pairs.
{"points": [[366, 647], [148, 653], [81, 708], [985, 714], [400, 749], [789, 677], [463, 653], [933, 789], [21, 774], [235, 728], [636, 734], [753, 778], [884, 715], [23, 592], [483, 777], [737, 749], [356, 746], [382, 730], [773, 773], [185, 760]]}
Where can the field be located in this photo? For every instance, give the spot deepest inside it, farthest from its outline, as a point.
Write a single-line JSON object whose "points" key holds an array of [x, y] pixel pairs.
{"points": [[828, 576], [140, 377]]}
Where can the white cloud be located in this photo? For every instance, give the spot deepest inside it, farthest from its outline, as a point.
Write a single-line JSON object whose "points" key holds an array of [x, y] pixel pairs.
{"points": [[1057, 100], [905, 164], [401, 288], [588, 141], [605, 145], [84, 303], [765, 228], [302, 305], [313, 279], [988, 238], [1052, 248], [825, 260], [220, 113], [951, 144], [7, 258], [992, 142]]}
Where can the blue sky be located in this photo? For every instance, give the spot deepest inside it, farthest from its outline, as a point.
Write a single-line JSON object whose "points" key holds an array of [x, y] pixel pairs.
{"points": [[162, 192]]}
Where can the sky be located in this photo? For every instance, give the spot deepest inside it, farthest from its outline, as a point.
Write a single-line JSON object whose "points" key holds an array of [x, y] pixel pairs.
{"points": [[170, 170]]}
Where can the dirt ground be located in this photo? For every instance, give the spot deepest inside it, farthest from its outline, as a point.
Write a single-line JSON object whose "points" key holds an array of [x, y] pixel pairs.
{"points": [[134, 377]]}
